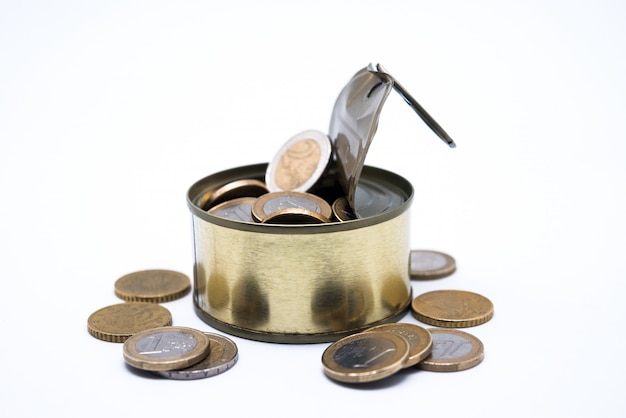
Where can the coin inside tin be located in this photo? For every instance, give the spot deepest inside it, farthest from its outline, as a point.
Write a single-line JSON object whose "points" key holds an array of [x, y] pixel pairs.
{"points": [[299, 163], [273, 202], [342, 210], [295, 216], [239, 209], [233, 190]]}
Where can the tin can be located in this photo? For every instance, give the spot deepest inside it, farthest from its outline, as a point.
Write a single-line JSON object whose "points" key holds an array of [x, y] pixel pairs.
{"points": [[301, 283]]}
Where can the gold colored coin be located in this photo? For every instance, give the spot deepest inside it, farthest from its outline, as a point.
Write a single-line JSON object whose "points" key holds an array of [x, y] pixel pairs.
{"points": [[342, 211], [269, 203], [365, 357], [154, 286], [295, 216], [166, 348], [425, 264], [452, 308], [420, 340], [453, 351], [116, 323], [239, 209], [233, 190]]}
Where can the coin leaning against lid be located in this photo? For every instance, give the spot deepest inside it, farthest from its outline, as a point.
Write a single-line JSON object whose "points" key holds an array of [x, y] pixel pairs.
{"points": [[116, 323], [223, 355], [233, 190], [342, 211], [420, 340], [272, 202], [239, 209], [299, 163], [166, 348], [426, 264], [453, 351], [155, 286], [365, 357], [452, 308]]}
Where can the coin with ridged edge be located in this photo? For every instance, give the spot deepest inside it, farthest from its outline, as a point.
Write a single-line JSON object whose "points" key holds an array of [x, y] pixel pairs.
{"points": [[116, 323], [365, 357], [223, 355], [420, 340], [452, 308], [154, 286], [233, 190], [269, 203], [166, 348], [239, 209], [453, 351], [295, 216], [427, 264]]}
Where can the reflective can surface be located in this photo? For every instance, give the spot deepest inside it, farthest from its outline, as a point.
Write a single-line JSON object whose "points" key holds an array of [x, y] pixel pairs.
{"points": [[301, 283]]}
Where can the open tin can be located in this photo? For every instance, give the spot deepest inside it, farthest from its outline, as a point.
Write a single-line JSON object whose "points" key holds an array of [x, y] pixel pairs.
{"points": [[309, 283]]}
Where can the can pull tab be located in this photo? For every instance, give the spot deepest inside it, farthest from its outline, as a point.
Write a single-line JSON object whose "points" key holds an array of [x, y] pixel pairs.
{"points": [[422, 113]]}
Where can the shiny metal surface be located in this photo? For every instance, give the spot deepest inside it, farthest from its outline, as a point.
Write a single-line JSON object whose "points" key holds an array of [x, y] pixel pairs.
{"points": [[301, 283], [453, 351]]}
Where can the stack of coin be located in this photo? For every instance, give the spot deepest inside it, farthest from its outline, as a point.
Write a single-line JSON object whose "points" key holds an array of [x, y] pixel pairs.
{"points": [[180, 353]]}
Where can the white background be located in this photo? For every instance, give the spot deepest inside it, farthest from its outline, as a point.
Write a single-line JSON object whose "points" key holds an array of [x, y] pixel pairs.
{"points": [[110, 110]]}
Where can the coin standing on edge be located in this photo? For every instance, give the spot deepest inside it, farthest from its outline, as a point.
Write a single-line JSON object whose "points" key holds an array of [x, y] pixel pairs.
{"points": [[453, 351], [269, 203], [156, 286], [452, 308], [420, 340], [166, 348], [365, 357], [342, 211], [300, 162], [425, 264], [239, 209], [223, 355], [233, 190], [116, 323]]}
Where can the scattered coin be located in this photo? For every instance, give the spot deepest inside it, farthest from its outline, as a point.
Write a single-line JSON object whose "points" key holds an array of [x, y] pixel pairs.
{"points": [[420, 340], [365, 357], [299, 163], [425, 264], [294, 216], [156, 286], [453, 351], [166, 348], [116, 323], [452, 308], [272, 202], [239, 209], [342, 211], [223, 355], [233, 190]]}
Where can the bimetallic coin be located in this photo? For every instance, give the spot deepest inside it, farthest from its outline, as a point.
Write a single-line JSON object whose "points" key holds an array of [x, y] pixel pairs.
{"points": [[166, 348], [342, 211], [299, 163], [295, 216], [453, 351], [223, 355], [154, 286], [233, 190], [116, 323], [420, 340], [452, 308], [365, 357], [239, 209], [272, 202], [424, 264]]}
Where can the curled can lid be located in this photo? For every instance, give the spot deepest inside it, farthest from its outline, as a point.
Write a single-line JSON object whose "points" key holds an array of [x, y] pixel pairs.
{"points": [[355, 119]]}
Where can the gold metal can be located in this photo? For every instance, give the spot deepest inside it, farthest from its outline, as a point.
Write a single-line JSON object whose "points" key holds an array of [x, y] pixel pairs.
{"points": [[301, 283]]}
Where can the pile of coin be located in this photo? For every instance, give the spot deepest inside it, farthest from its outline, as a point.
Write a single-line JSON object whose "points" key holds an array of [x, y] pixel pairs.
{"points": [[301, 167], [145, 327]]}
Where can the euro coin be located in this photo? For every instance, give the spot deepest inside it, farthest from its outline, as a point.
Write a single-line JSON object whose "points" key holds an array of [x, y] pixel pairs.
{"points": [[156, 286], [453, 351], [342, 211], [233, 190], [166, 348], [299, 163], [117, 323], [271, 202], [295, 216], [452, 308], [425, 264], [365, 357], [420, 340], [239, 209], [223, 355]]}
